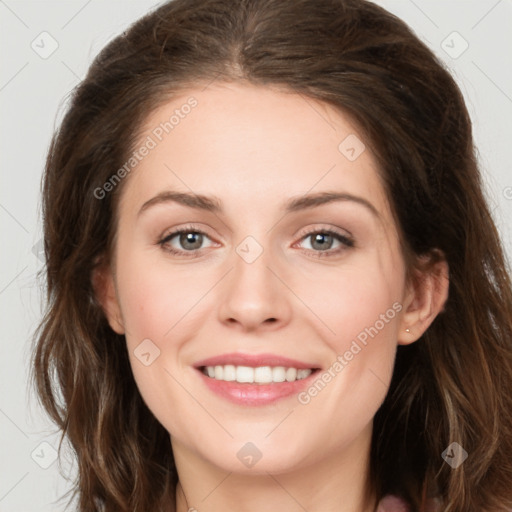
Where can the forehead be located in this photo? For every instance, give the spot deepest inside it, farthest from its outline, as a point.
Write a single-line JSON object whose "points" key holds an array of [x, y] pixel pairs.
{"points": [[252, 145]]}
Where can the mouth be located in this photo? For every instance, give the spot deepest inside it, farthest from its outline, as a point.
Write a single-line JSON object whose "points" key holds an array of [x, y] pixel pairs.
{"points": [[253, 380]]}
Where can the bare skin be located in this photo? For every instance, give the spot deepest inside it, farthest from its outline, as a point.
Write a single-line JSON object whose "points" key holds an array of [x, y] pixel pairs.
{"points": [[254, 149]]}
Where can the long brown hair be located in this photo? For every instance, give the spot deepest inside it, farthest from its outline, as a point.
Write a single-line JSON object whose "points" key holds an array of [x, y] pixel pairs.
{"points": [[452, 385]]}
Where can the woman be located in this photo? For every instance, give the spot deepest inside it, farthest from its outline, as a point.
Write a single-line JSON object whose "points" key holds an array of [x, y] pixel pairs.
{"points": [[338, 335]]}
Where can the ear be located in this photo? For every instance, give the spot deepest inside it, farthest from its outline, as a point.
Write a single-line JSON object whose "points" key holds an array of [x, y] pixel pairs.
{"points": [[426, 295], [106, 293]]}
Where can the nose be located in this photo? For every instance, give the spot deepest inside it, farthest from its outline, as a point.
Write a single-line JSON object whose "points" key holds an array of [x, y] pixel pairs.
{"points": [[254, 295]]}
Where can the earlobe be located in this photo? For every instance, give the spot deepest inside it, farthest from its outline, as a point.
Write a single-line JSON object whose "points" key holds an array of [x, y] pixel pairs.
{"points": [[426, 297], [105, 290]]}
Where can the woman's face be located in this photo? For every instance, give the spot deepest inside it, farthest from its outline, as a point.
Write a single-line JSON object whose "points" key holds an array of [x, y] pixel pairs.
{"points": [[289, 261]]}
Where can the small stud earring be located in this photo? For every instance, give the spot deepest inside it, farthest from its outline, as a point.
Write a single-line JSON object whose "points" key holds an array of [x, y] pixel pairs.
{"points": [[407, 330]]}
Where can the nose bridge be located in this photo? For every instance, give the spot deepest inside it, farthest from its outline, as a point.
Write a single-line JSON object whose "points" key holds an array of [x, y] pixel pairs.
{"points": [[251, 274]]}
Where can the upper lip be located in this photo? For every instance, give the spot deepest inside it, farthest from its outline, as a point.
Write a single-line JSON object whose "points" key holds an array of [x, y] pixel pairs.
{"points": [[254, 360]]}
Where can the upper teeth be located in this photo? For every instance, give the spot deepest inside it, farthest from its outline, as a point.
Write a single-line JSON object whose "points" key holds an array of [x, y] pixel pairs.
{"points": [[259, 375]]}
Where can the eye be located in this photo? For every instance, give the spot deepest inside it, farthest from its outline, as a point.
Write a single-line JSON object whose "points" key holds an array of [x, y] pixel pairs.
{"points": [[322, 240], [188, 238]]}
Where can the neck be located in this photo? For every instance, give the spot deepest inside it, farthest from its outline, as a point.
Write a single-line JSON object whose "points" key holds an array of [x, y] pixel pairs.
{"points": [[338, 482]]}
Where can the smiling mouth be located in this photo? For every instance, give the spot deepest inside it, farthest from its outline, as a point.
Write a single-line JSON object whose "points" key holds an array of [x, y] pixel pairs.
{"points": [[256, 375]]}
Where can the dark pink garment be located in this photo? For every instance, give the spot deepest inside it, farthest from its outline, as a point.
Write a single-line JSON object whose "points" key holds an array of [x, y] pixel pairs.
{"points": [[395, 504], [392, 504]]}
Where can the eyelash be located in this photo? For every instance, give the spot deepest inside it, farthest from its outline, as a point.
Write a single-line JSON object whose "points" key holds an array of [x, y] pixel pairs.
{"points": [[346, 241]]}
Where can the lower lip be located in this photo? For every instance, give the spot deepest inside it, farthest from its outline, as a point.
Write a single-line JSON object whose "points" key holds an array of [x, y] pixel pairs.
{"points": [[255, 394]]}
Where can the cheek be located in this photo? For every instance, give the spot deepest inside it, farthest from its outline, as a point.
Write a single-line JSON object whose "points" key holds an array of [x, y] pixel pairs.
{"points": [[351, 299], [359, 308], [162, 310], [155, 300], [155, 297]]}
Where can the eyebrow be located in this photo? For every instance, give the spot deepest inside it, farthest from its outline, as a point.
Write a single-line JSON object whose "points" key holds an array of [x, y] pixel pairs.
{"points": [[294, 204]]}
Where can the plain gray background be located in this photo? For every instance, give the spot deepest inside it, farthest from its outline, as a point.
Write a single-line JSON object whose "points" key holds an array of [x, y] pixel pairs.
{"points": [[46, 49]]}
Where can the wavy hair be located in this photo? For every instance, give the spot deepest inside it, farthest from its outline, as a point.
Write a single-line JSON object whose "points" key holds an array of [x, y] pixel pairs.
{"points": [[452, 385]]}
